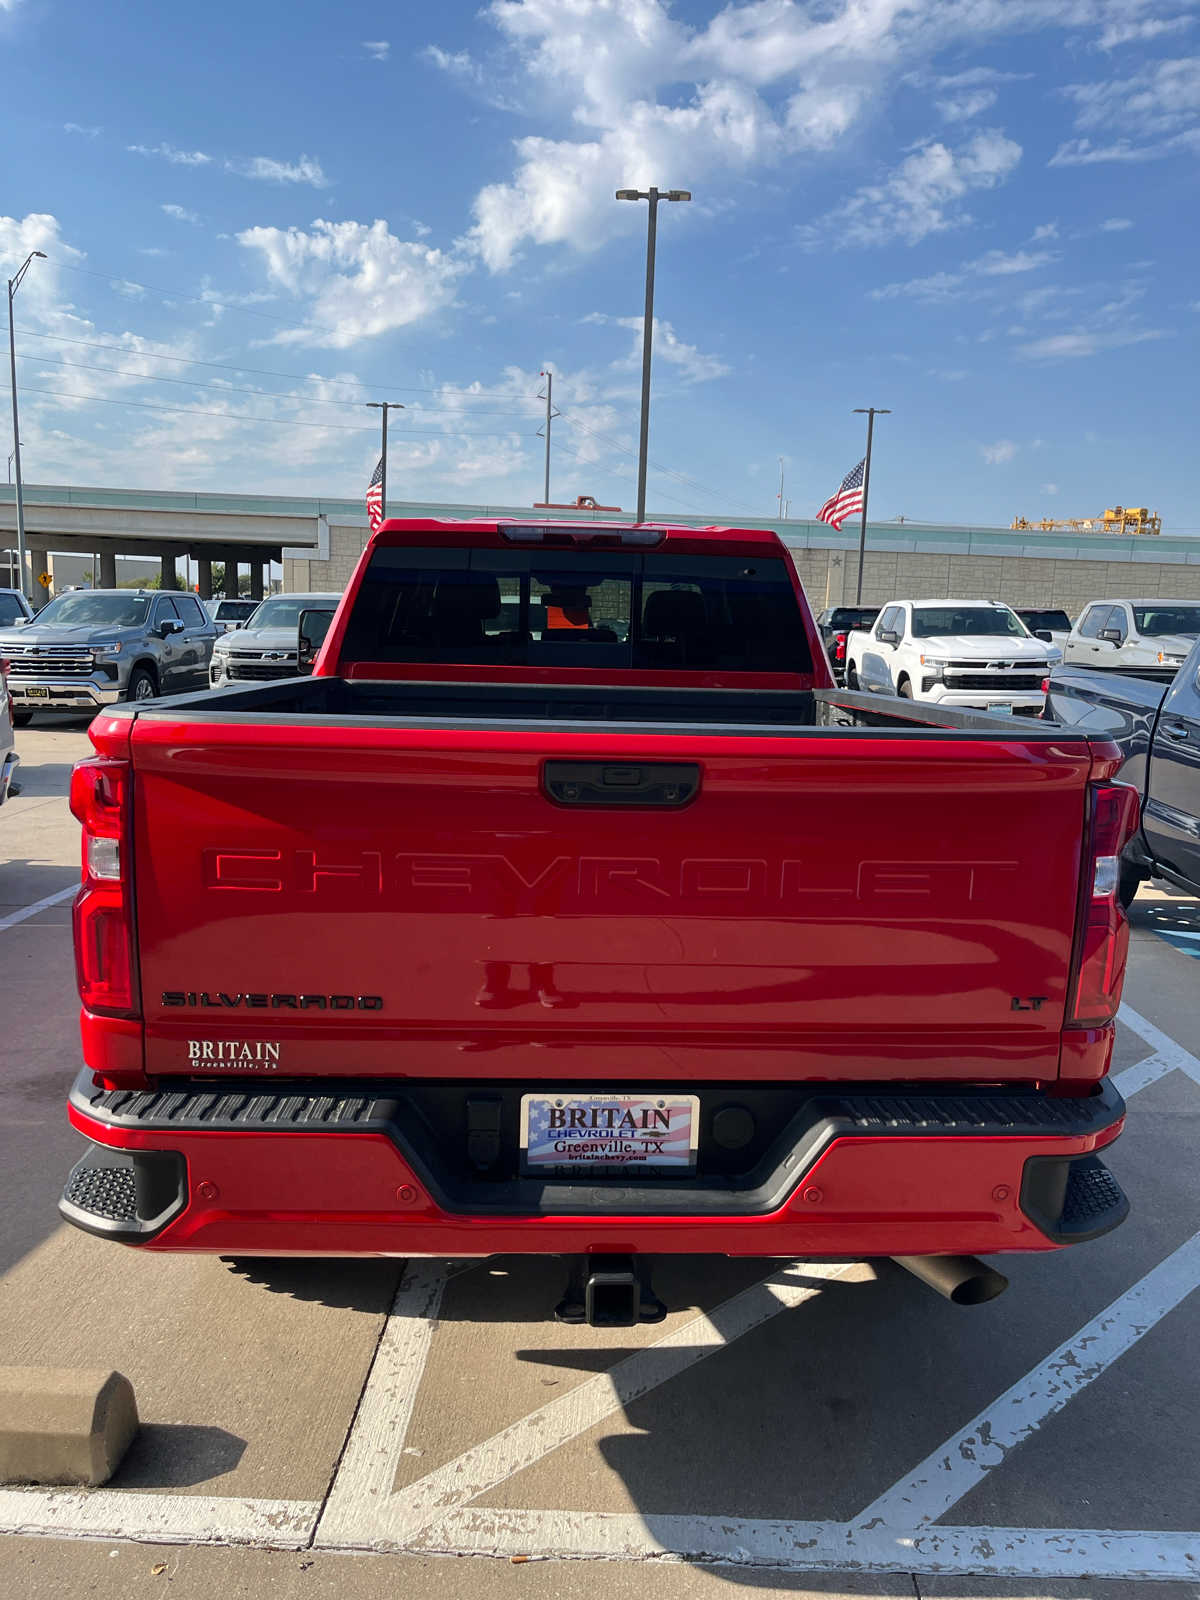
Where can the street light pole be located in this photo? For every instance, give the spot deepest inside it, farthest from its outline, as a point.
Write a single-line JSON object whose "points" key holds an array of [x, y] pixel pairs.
{"points": [[383, 407], [13, 285], [870, 412], [653, 196], [549, 377]]}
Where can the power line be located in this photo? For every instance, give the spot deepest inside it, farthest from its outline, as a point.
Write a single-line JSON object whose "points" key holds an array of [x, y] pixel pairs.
{"points": [[278, 422], [261, 394], [686, 504], [267, 372], [194, 299], [680, 477]]}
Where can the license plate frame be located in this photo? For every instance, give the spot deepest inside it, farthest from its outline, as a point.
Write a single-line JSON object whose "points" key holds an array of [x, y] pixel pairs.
{"points": [[618, 1149]]}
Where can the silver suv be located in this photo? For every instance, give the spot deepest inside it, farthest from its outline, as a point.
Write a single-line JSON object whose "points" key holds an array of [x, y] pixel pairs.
{"points": [[93, 647]]}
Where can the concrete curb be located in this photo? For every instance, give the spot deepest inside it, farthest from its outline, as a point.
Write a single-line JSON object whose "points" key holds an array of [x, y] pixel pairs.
{"points": [[61, 1425]]}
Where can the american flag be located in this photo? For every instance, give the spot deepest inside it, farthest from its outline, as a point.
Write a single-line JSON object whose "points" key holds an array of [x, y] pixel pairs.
{"points": [[375, 498], [847, 500]]}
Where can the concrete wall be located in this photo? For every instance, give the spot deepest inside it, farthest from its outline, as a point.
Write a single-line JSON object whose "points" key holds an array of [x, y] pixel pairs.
{"points": [[829, 575]]}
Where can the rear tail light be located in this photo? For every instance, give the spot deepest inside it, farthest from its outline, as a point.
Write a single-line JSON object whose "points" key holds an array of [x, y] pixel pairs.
{"points": [[105, 964], [1102, 931], [839, 647]]}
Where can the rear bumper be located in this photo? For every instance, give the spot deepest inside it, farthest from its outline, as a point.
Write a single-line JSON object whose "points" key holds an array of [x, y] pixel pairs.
{"points": [[293, 1170]]}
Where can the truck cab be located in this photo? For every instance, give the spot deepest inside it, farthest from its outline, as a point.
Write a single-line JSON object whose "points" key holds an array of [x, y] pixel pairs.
{"points": [[1133, 633]]}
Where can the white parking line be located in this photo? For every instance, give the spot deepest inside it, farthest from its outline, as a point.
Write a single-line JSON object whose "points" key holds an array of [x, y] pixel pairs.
{"points": [[955, 1467], [367, 1471], [158, 1518], [817, 1546], [398, 1517], [14, 917], [1161, 1043]]}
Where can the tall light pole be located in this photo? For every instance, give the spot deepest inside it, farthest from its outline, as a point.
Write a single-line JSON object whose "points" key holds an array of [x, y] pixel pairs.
{"points": [[653, 196], [550, 416], [383, 407], [870, 412], [13, 285]]}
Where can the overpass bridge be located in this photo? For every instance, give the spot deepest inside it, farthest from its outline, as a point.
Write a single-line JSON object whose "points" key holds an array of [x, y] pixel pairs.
{"points": [[318, 540]]}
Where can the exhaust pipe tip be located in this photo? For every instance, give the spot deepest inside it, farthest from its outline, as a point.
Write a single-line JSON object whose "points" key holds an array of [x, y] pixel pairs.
{"points": [[963, 1280]]}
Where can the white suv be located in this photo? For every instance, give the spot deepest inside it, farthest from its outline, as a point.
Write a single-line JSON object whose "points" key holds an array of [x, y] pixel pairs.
{"points": [[1133, 633], [975, 654]]}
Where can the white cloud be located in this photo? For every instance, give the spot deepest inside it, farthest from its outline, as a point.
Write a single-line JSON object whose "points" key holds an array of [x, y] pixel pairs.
{"points": [[1127, 32], [359, 280], [1087, 342], [79, 127], [921, 196], [1116, 224], [1153, 112], [953, 285], [167, 152], [377, 49], [970, 103], [997, 454], [1046, 230], [641, 94], [268, 170], [179, 213], [1049, 488], [1083, 153], [692, 364]]}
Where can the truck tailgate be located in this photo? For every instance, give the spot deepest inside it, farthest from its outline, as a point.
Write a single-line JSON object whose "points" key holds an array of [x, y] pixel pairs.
{"points": [[394, 901]]}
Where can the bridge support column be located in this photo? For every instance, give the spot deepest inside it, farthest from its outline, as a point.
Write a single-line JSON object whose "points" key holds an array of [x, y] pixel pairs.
{"points": [[231, 578], [170, 578], [106, 578], [256, 580], [204, 577]]}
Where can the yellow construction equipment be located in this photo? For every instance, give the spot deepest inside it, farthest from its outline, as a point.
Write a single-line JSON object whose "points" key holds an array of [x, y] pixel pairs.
{"points": [[1116, 519]]}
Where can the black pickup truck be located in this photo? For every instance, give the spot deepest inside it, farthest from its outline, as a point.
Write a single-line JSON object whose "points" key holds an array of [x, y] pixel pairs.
{"points": [[1155, 719]]}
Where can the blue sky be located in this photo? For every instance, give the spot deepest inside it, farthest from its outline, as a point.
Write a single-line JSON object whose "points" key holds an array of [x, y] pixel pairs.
{"points": [[980, 213]]}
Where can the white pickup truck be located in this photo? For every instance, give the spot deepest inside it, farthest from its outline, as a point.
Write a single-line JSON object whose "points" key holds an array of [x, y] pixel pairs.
{"points": [[976, 654]]}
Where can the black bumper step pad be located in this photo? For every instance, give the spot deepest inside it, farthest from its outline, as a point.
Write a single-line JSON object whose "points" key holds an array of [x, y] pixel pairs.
{"points": [[1072, 1199], [430, 1124], [127, 1195]]}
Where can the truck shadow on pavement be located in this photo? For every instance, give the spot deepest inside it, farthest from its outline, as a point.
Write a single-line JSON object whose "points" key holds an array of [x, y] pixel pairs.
{"points": [[344, 1284]]}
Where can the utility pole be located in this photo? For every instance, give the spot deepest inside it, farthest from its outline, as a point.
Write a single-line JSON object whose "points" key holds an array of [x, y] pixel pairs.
{"points": [[870, 412], [779, 496], [383, 407], [653, 196], [550, 415], [14, 284]]}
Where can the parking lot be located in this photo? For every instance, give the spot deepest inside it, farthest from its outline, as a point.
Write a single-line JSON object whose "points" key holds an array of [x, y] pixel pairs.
{"points": [[791, 1427]]}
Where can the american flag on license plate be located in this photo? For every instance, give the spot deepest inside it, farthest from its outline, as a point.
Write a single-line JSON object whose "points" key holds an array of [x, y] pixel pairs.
{"points": [[627, 1130], [375, 498], [848, 499]]}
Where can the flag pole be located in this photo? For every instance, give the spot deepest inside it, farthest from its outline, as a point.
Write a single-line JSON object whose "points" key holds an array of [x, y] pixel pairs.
{"points": [[871, 413]]}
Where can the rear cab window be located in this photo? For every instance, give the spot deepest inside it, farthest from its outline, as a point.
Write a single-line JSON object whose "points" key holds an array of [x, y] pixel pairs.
{"points": [[549, 608]]}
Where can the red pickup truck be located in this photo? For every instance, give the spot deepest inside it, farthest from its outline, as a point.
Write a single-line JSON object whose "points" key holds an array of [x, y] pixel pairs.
{"points": [[569, 907]]}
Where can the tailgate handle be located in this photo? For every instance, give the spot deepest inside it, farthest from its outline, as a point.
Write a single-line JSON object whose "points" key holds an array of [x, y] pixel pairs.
{"points": [[621, 783]]}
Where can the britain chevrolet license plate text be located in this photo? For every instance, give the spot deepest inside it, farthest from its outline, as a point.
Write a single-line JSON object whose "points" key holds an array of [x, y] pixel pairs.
{"points": [[609, 1133]]}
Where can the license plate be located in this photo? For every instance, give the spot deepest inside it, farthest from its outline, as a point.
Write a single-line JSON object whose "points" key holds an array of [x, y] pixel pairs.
{"points": [[35, 691], [1003, 710], [613, 1134]]}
